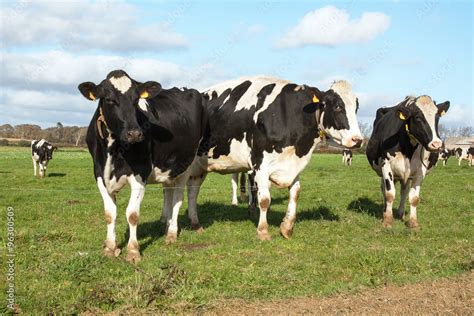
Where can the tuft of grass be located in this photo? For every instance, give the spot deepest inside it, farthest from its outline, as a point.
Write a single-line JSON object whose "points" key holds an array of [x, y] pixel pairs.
{"points": [[338, 245]]}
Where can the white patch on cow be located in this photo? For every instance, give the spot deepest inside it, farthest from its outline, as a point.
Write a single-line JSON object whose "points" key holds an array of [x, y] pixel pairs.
{"points": [[429, 110], [299, 87], [159, 176], [35, 156], [238, 160], [40, 143], [122, 84], [143, 104]]}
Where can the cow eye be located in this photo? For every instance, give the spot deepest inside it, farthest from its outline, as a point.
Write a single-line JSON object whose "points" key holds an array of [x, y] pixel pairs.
{"points": [[110, 102]]}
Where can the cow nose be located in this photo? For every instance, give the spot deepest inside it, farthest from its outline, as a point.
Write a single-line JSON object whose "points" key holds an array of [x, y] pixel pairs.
{"points": [[357, 140], [134, 135], [435, 145]]}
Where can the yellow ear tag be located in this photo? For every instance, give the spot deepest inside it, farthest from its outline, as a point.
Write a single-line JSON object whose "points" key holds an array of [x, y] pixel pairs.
{"points": [[315, 99], [402, 117], [144, 95], [91, 96], [442, 113]]}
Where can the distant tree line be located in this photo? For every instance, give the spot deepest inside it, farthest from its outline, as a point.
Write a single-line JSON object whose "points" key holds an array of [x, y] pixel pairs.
{"points": [[59, 134]]}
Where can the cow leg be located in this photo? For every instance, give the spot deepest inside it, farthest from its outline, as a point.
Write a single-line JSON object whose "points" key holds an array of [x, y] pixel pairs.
{"points": [[110, 208], [414, 198], [405, 188], [178, 195], [235, 178], [264, 200], [194, 185], [286, 226], [167, 201], [137, 191], [252, 188], [242, 186], [350, 162], [34, 167], [40, 169], [388, 187]]}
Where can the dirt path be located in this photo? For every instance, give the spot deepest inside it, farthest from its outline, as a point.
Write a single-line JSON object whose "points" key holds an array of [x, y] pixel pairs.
{"points": [[446, 296]]}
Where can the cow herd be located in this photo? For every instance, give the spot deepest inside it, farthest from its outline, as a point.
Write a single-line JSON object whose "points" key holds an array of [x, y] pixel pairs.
{"points": [[262, 127]]}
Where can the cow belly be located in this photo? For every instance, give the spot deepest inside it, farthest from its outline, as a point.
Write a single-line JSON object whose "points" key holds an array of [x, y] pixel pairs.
{"points": [[237, 160], [284, 167], [159, 176]]}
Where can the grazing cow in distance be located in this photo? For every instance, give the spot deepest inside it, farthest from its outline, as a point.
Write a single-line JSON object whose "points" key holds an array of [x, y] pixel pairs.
{"points": [[139, 134], [41, 154], [470, 156], [347, 157], [463, 154], [444, 155], [271, 126], [404, 147]]}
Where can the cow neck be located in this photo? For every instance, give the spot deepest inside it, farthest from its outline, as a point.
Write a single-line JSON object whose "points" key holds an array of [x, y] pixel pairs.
{"points": [[100, 121], [413, 140]]}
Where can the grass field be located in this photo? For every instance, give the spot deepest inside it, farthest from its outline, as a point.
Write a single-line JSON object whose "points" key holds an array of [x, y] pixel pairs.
{"points": [[338, 246]]}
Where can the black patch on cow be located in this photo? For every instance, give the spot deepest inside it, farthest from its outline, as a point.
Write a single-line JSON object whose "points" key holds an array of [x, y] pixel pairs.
{"points": [[387, 185], [390, 175], [432, 159]]}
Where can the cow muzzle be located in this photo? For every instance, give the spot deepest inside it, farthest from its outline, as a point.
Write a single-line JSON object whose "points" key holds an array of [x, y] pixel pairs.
{"points": [[435, 145], [353, 142], [134, 135]]}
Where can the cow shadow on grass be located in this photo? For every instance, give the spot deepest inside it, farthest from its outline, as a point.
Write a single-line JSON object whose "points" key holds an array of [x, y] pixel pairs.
{"points": [[211, 212], [367, 206], [56, 174]]}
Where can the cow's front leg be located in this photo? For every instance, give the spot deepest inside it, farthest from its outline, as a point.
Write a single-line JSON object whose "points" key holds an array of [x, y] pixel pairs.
{"points": [[405, 188], [137, 191], [194, 185], [178, 195], [167, 201], [286, 226], [414, 197], [234, 180], [388, 189], [264, 200], [243, 185], [41, 174], [34, 167], [110, 208]]}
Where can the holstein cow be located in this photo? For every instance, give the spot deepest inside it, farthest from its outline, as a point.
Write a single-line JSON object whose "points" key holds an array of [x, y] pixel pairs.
{"points": [[41, 154], [271, 126], [403, 147], [347, 157], [139, 134], [470, 156], [463, 154], [444, 155]]}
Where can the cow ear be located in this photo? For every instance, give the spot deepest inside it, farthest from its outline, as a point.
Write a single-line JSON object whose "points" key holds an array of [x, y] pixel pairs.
{"points": [[55, 148], [443, 108], [314, 105], [90, 90], [149, 89]]}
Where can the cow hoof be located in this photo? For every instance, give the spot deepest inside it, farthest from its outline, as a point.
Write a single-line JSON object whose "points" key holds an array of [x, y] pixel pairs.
{"points": [[171, 238], [235, 203], [112, 253], [285, 231], [197, 228], [387, 221], [412, 224], [400, 215], [133, 256], [263, 235]]}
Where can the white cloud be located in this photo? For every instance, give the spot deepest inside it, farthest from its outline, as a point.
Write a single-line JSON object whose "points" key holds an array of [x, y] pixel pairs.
{"points": [[331, 26], [84, 25]]}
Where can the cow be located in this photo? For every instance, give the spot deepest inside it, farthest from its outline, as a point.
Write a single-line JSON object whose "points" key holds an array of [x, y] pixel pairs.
{"points": [[271, 126], [403, 148], [347, 157], [463, 154], [235, 186], [139, 134], [444, 155], [41, 154], [470, 156]]}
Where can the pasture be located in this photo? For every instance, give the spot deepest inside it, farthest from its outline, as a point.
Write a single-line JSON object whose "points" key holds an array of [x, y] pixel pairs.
{"points": [[338, 246]]}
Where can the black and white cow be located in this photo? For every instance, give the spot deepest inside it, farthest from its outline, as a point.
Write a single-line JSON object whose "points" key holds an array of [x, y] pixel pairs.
{"points": [[470, 156], [271, 126], [235, 187], [403, 147], [41, 154], [444, 155], [463, 154], [139, 134], [347, 157]]}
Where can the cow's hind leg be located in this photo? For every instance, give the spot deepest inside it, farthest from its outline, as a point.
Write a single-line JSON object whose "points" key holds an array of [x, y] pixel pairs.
{"points": [[167, 201], [264, 200], [178, 195], [137, 191], [405, 188], [34, 167], [243, 182], [234, 180], [414, 197], [110, 208], [388, 188], [194, 185], [286, 226]]}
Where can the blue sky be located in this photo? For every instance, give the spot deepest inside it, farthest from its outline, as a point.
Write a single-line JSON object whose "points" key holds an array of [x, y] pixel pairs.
{"points": [[386, 49]]}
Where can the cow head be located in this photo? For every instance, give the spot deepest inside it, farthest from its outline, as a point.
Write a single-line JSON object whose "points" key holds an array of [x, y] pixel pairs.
{"points": [[336, 109], [421, 115], [49, 152], [118, 98]]}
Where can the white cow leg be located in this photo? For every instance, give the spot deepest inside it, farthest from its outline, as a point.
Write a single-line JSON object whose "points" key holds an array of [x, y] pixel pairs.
{"points": [[264, 200], [286, 226], [414, 198], [34, 167], [178, 196], [234, 180], [194, 185], [388, 186], [40, 169], [243, 182], [110, 208], [405, 188], [137, 191], [167, 202]]}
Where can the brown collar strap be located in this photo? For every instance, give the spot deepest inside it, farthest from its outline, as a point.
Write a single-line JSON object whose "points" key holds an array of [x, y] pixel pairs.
{"points": [[100, 121]]}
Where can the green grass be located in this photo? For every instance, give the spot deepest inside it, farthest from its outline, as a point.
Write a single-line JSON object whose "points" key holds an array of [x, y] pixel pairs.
{"points": [[339, 244]]}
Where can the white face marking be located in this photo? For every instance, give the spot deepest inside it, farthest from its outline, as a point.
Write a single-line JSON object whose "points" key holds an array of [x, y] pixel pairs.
{"points": [[429, 110], [122, 84], [143, 104], [40, 143]]}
